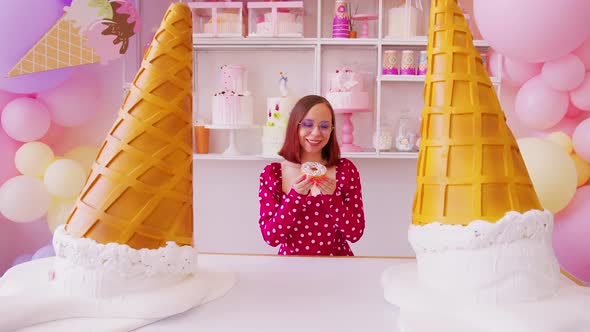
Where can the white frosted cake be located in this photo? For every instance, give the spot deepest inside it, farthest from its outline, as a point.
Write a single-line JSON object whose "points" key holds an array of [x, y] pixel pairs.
{"points": [[347, 91], [233, 104], [287, 24], [227, 23], [278, 110]]}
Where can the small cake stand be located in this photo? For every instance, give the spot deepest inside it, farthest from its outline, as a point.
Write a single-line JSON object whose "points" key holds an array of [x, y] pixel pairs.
{"points": [[348, 128], [365, 18], [231, 150]]}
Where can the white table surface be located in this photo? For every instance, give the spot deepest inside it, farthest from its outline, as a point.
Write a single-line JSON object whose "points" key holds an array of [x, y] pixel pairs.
{"points": [[275, 293]]}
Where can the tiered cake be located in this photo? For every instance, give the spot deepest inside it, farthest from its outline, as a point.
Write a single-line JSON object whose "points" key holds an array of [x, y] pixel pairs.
{"points": [[233, 104], [346, 90], [278, 110], [287, 24], [485, 261]]}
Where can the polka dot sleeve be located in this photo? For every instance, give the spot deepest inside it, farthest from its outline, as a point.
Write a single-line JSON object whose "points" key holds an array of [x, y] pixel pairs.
{"points": [[346, 204], [277, 211]]}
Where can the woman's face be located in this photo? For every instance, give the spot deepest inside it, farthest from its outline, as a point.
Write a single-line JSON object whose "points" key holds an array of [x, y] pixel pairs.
{"points": [[315, 129]]}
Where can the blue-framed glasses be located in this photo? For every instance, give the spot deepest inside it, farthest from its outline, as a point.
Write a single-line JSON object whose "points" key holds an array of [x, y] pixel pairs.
{"points": [[308, 125]]}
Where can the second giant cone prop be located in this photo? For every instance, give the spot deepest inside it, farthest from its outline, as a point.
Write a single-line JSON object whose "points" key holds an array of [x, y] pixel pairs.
{"points": [[126, 258], [484, 256]]}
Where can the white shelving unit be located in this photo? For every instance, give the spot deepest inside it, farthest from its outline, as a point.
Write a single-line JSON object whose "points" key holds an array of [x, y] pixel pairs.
{"points": [[226, 186], [322, 51]]}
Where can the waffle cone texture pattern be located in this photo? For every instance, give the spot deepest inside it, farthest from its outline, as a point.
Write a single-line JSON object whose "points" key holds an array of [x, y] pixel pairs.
{"points": [[469, 165], [139, 191], [61, 47]]}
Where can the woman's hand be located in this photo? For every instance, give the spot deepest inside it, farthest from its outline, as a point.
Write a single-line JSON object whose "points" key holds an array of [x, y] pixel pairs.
{"points": [[302, 185], [327, 185]]}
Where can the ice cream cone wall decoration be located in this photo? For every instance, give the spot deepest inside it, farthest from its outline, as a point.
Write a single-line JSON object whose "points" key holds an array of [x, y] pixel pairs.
{"points": [[139, 192], [91, 31], [469, 166]]}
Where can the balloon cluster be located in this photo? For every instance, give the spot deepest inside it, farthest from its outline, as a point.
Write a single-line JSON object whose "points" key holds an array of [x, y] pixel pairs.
{"points": [[555, 183], [544, 50], [47, 185], [544, 54]]}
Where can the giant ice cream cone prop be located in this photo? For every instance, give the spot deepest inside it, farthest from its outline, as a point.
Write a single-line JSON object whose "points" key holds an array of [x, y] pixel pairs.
{"points": [[482, 241], [139, 192], [125, 257], [469, 166]]}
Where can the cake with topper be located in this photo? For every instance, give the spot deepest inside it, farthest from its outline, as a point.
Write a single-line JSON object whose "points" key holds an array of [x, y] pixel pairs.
{"points": [[126, 256], [286, 24], [347, 90], [278, 110], [232, 105], [483, 242]]}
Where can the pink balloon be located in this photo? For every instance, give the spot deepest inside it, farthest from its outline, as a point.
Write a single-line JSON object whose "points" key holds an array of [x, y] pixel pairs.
{"points": [[8, 148], [565, 73], [581, 140], [25, 119], [517, 73], [571, 234], [538, 106], [566, 125], [580, 97], [533, 30], [53, 136], [573, 112], [6, 97], [18, 35], [583, 52], [74, 102]]}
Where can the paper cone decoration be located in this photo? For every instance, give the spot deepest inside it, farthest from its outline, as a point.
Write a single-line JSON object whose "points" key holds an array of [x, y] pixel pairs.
{"points": [[139, 191], [469, 166], [61, 47]]}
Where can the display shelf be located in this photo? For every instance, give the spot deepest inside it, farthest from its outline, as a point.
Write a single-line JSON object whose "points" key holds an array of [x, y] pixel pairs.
{"points": [[254, 41], [308, 60], [349, 41], [416, 78], [292, 41], [349, 155], [421, 41]]}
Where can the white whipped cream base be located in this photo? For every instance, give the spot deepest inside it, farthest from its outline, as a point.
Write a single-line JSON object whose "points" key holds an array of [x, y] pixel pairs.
{"points": [[84, 267], [509, 261]]}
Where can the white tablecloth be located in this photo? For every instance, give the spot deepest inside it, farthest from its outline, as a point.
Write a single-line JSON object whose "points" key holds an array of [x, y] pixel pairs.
{"points": [[284, 294]]}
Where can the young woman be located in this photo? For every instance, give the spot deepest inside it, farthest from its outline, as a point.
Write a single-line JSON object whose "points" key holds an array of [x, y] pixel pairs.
{"points": [[307, 215]]}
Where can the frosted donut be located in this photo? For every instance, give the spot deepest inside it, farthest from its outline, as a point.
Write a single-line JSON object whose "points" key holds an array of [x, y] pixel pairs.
{"points": [[313, 169]]}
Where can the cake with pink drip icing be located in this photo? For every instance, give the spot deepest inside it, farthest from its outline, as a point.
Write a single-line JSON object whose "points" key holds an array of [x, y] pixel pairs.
{"points": [[232, 105]]}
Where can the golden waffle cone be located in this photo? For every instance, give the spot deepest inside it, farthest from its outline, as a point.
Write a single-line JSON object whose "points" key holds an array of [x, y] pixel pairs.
{"points": [[139, 191], [469, 166], [61, 47]]}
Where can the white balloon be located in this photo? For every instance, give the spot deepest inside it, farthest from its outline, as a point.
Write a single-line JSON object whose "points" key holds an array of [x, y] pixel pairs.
{"points": [[64, 178], [23, 199], [33, 158]]}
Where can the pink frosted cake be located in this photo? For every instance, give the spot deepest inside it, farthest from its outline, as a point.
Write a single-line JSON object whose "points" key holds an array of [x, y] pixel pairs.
{"points": [[346, 90]]}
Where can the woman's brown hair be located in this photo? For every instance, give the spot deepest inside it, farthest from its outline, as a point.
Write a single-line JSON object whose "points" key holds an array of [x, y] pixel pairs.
{"points": [[291, 149]]}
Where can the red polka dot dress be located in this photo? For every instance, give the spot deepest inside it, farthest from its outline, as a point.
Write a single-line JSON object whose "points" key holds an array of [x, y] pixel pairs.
{"points": [[312, 225]]}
